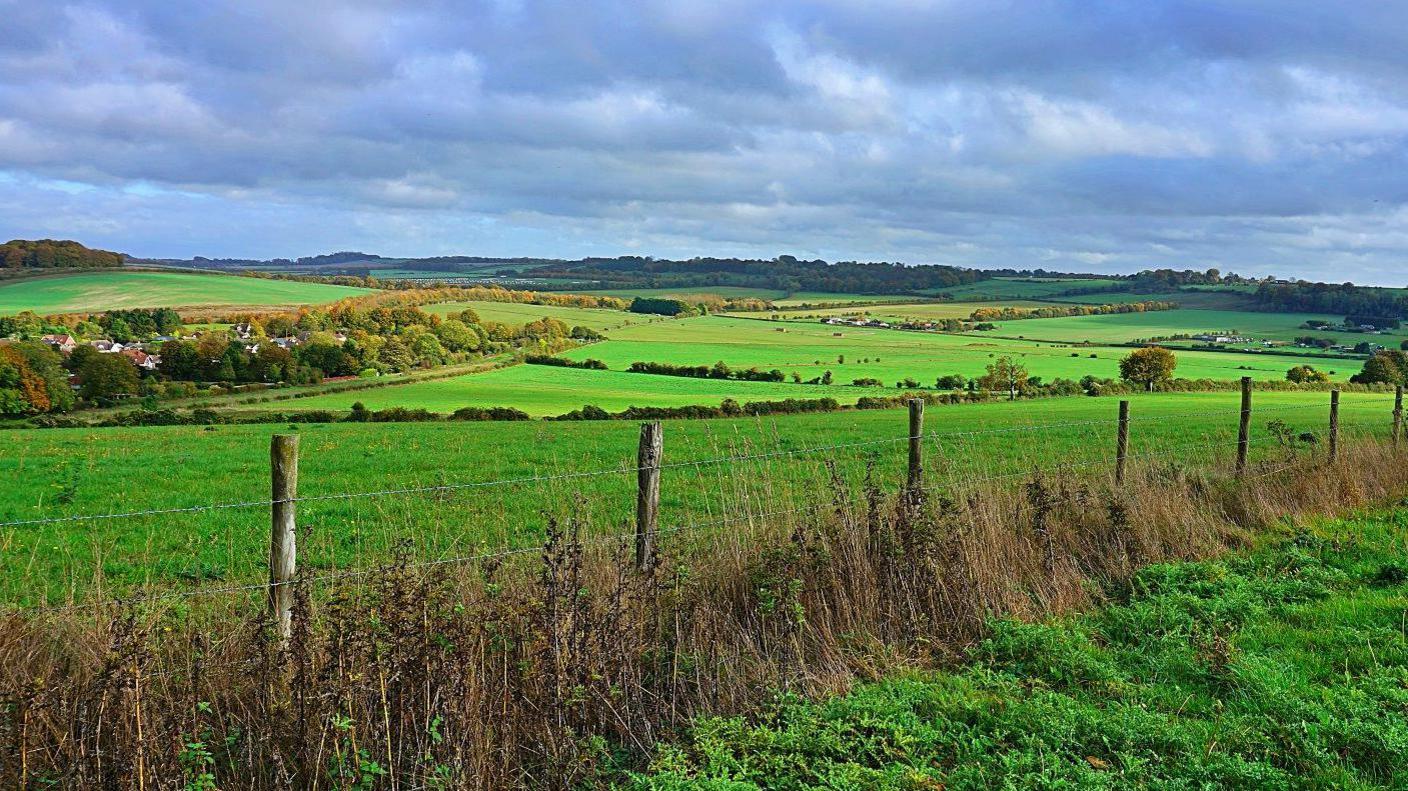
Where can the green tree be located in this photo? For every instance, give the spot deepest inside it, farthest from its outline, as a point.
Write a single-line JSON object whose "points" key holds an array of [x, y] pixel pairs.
{"points": [[457, 336], [396, 357], [1005, 374], [179, 361], [1386, 367], [428, 349], [271, 363], [1149, 366], [103, 377], [326, 357]]}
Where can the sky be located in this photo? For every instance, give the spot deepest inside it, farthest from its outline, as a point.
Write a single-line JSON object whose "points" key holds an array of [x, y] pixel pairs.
{"points": [[1263, 137]]}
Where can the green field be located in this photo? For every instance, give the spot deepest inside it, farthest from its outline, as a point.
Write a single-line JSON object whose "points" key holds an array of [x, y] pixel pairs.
{"points": [[1023, 288], [903, 311], [61, 472], [809, 348], [777, 297], [1127, 327], [1197, 298], [824, 298], [100, 291], [1283, 668], [806, 348], [721, 291], [515, 314], [543, 390]]}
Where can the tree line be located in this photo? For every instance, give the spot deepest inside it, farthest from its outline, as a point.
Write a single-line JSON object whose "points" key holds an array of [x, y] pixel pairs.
{"points": [[1061, 311]]}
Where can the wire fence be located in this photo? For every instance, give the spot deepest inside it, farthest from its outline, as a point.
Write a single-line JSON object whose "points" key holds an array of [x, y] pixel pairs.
{"points": [[957, 469]]}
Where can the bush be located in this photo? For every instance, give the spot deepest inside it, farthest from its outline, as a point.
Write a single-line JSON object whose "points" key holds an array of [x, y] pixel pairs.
{"points": [[489, 413], [559, 362]]}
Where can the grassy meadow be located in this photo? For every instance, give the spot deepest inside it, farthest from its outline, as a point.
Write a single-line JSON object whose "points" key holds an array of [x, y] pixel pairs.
{"points": [[810, 348], [516, 314], [100, 291], [63, 472], [1128, 327], [806, 348], [1022, 287], [542, 390], [1279, 668]]}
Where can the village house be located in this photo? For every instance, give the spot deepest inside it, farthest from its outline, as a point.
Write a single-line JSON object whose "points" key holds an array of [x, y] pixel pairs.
{"points": [[61, 343], [107, 347], [141, 359]]}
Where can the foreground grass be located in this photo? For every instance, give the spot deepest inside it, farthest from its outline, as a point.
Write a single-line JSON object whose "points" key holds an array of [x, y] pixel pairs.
{"points": [[1284, 668], [99, 291]]}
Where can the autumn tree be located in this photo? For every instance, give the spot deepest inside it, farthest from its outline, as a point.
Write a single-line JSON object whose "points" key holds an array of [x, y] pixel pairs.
{"points": [[1306, 374], [1005, 374], [1149, 366]]}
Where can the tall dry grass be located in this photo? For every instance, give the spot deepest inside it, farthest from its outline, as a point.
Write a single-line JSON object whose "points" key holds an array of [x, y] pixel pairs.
{"points": [[548, 670]]}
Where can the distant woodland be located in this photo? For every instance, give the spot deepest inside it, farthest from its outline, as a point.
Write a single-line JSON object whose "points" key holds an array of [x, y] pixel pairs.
{"points": [[54, 254]]}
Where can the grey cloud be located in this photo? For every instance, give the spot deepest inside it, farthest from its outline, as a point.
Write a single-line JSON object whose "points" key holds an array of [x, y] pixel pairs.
{"points": [[1255, 135]]}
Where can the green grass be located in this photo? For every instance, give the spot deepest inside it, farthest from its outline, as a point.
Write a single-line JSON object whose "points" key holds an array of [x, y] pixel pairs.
{"points": [[1125, 327], [1283, 669], [1022, 288], [517, 314], [1204, 298], [99, 291], [810, 348], [902, 311], [544, 390], [806, 348], [722, 291], [822, 297], [63, 472]]}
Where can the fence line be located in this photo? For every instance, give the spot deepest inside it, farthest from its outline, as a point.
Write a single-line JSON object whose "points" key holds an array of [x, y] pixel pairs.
{"points": [[626, 470], [952, 481], [649, 465]]}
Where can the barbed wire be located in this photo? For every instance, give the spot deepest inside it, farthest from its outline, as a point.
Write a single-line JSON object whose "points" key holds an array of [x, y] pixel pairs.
{"points": [[626, 469], [948, 482]]}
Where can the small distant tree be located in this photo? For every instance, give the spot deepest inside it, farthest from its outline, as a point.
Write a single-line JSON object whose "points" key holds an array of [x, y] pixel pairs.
{"points": [[826, 378], [1005, 374], [1306, 374], [1148, 366]]}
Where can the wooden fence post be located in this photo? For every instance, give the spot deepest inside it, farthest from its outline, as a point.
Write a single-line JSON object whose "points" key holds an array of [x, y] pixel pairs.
{"points": [[1122, 444], [652, 446], [1244, 430], [283, 549], [916, 446], [1397, 415], [1334, 426]]}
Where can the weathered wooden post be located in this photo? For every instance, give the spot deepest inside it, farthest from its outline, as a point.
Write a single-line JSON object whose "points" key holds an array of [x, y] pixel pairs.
{"points": [[1334, 426], [1244, 430], [1122, 444], [283, 549], [916, 446], [652, 446], [1397, 415]]}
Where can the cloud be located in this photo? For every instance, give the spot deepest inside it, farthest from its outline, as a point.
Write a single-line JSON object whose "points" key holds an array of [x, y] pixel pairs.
{"points": [[1257, 137]]}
